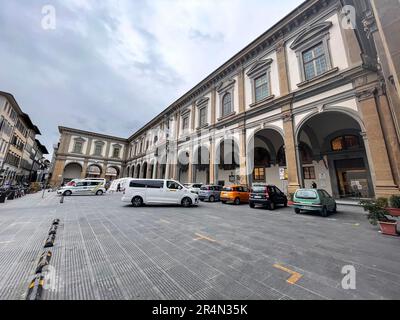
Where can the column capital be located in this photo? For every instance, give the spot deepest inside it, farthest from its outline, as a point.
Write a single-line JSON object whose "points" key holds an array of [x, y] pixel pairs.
{"points": [[280, 45], [287, 116], [366, 94]]}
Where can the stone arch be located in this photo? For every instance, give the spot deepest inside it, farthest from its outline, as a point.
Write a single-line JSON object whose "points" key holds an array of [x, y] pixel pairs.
{"points": [[72, 170], [344, 172]]}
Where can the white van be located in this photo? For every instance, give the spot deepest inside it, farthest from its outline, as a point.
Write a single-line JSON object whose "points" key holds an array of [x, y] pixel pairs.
{"points": [[83, 187], [158, 191]]}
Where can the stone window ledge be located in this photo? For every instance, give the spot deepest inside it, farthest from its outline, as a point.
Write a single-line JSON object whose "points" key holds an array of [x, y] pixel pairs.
{"points": [[203, 126], [329, 72], [258, 103], [230, 115]]}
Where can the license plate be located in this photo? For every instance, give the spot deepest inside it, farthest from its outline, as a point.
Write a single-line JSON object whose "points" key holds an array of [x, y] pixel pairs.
{"points": [[257, 197], [307, 208]]}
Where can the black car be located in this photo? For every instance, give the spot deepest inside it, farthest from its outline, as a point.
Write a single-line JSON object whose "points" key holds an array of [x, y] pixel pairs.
{"points": [[269, 196]]}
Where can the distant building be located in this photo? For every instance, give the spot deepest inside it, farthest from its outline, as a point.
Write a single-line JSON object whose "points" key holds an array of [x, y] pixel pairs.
{"points": [[17, 142], [314, 98]]}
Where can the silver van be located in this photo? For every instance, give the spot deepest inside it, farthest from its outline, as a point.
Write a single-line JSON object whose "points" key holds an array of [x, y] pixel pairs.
{"points": [[210, 193], [83, 187]]}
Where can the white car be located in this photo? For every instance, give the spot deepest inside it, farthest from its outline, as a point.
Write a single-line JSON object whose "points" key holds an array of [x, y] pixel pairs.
{"points": [[194, 187], [158, 191], [83, 187]]}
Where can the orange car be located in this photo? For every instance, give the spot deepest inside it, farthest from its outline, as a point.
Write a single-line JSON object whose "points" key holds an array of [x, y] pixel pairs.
{"points": [[237, 194]]}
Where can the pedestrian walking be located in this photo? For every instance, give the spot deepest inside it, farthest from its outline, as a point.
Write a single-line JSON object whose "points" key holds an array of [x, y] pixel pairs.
{"points": [[314, 185], [119, 187]]}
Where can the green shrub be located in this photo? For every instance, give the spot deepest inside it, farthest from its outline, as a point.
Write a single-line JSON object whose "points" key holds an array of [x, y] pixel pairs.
{"points": [[376, 210], [395, 201]]}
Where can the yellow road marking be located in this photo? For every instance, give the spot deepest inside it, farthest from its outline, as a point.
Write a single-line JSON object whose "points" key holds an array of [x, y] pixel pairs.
{"points": [[201, 237], [165, 221], [295, 276]]}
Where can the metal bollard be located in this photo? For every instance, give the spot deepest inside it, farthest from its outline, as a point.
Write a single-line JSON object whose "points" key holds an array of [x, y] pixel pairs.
{"points": [[62, 199]]}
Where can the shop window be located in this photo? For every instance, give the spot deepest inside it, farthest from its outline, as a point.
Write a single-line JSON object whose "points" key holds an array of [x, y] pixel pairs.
{"points": [[309, 173], [259, 174], [347, 142]]}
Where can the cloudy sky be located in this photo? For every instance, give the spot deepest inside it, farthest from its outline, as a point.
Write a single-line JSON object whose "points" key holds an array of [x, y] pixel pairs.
{"points": [[111, 65]]}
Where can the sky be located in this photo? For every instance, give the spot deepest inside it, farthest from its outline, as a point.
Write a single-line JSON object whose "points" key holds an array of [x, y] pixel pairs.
{"points": [[110, 66]]}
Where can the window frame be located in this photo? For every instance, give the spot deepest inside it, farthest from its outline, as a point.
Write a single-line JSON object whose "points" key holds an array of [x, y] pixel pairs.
{"points": [[308, 39], [225, 95], [205, 110], [267, 75], [310, 173]]}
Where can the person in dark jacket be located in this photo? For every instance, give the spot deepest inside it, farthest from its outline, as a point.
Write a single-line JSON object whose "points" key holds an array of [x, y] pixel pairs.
{"points": [[314, 185], [119, 187]]}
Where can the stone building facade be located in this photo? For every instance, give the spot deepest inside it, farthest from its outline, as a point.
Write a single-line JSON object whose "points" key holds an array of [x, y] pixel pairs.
{"points": [[18, 143], [309, 100]]}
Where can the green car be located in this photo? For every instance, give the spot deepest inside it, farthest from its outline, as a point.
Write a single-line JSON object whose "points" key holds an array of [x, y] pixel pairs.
{"points": [[314, 200]]}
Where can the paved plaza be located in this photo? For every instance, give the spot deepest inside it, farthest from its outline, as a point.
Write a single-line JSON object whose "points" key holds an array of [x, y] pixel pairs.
{"points": [[106, 249]]}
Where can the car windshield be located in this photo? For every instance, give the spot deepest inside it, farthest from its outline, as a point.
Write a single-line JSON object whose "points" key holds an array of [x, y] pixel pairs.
{"points": [[227, 189], [259, 189], [306, 194], [204, 188]]}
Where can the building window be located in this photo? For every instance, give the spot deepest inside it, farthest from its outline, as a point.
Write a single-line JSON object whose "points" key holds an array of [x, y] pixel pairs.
{"points": [[185, 123], [98, 149], [314, 61], [227, 104], [78, 147], [259, 174], [309, 173], [116, 152], [261, 87], [345, 143], [202, 117]]}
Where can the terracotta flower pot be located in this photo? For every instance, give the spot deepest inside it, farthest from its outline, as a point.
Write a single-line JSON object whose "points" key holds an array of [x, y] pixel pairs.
{"points": [[395, 212], [389, 228]]}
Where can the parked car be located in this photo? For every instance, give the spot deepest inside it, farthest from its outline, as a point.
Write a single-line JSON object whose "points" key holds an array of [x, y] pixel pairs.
{"points": [[193, 187], [237, 194], [210, 193], [315, 200], [269, 196], [83, 187], [158, 191]]}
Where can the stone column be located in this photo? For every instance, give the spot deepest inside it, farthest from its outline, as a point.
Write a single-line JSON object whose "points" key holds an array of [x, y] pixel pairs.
{"points": [[242, 157], [291, 152], [213, 106], [154, 173], [212, 162], [84, 169], [242, 101], [382, 173], [190, 168], [390, 135], [57, 172], [282, 68]]}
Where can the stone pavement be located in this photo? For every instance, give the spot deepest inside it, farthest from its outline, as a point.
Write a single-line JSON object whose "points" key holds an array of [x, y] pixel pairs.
{"points": [[106, 249]]}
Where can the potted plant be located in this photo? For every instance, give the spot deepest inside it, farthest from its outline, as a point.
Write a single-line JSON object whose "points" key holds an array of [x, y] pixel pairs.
{"points": [[394, 209], [377, 214]]}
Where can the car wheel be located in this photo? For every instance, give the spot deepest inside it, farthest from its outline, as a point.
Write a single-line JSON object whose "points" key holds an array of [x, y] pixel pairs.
{"points": [[324, 212], [211, 199], [99, 193], [252, 205], [186, 202], [137, 202], [272, 206], [297, 210], [237, 201], [67, 193]]}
